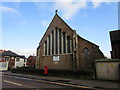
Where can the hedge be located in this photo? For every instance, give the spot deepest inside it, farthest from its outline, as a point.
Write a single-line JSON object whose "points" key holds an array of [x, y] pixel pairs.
{"points": [[53, 72]]}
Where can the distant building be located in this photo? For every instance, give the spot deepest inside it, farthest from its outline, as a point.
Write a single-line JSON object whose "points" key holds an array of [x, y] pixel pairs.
{"points": [[115, 44], [14, 60], [1, 51], [31, 61], [20, 61], [62, 48]]}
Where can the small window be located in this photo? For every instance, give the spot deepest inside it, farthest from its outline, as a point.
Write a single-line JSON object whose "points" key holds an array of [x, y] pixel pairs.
{"points": [[17, 59], [30, 61], [6, 58], [12, 58]]}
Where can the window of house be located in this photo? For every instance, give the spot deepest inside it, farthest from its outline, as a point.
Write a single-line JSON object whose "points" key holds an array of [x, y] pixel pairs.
{"points": [[30, 61], [12, 58], [17, 59], [7, 58]]}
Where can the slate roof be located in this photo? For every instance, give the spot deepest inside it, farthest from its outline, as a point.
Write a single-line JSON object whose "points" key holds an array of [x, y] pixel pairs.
{"points": [[22, 56], [9, 53]]}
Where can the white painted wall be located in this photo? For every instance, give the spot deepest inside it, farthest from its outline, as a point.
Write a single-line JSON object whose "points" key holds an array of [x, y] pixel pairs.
{"points": [[19, 63], [4, 66]]}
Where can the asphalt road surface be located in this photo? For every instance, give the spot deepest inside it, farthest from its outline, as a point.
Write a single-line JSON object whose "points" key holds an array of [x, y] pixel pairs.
{"points": [[13, 82]]}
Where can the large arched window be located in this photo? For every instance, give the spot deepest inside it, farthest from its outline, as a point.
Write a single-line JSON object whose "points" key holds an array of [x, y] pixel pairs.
{"points": [[60, 42], [64, 42], [68, 44], [45, 47], [52, 42], [86, 61], [49, 45], [57, 42]]}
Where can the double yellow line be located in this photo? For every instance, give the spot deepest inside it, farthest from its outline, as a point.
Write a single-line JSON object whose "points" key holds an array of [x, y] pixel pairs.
{"points": [[85, 87]]}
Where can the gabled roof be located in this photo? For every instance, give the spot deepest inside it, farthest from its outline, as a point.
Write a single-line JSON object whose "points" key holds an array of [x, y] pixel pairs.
{"points": [[32, 57], [22, 56], [9, 53], [57, 16], [87, 41]]}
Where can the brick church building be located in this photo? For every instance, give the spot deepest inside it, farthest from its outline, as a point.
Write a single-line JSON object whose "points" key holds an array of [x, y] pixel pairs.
{"points": [[62, 48]]}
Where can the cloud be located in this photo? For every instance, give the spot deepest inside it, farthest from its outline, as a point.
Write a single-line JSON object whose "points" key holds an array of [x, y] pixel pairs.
{"points": [[70, 8], [9, 10], [45, 23], [97, 3]]}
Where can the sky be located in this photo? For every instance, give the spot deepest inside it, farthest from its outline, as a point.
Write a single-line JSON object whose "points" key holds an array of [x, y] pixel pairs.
{"points": [[23, 23]]}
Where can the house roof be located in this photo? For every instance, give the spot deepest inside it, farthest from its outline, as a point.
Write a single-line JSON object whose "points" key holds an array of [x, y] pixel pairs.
{"points": [[32, 57], [1, 51], [22, 56], [9, 53], [56, 15]]}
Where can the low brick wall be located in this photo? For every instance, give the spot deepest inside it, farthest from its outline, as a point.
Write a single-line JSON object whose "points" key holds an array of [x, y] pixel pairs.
{"points": [[85, 74]]}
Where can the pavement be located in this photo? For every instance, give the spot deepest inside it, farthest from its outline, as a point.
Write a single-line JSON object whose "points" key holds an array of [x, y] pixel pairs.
{"points": [[98, 84]]}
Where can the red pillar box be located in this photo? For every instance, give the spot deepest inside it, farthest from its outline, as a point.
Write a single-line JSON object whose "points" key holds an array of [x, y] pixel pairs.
{"points": [[45, 70]]}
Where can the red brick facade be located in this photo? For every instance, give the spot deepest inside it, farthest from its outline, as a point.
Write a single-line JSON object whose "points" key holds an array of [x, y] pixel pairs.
{"points": [[31, 61], [64, 44]]}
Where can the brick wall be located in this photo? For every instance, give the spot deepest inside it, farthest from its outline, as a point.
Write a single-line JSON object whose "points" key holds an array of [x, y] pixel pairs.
{"points": [[66, 60]]}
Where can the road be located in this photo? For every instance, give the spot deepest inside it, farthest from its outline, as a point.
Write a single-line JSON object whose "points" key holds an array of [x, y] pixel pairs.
{"points": [[20, 82], [15, 82]]}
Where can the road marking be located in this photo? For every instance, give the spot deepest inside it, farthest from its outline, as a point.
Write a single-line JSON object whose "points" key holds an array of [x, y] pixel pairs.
{"points": [[85, 87], [67, 84], [13, 83]]}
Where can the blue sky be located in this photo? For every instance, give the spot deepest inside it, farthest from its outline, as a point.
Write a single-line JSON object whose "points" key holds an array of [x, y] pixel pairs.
{"points": [[24, 23]]}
